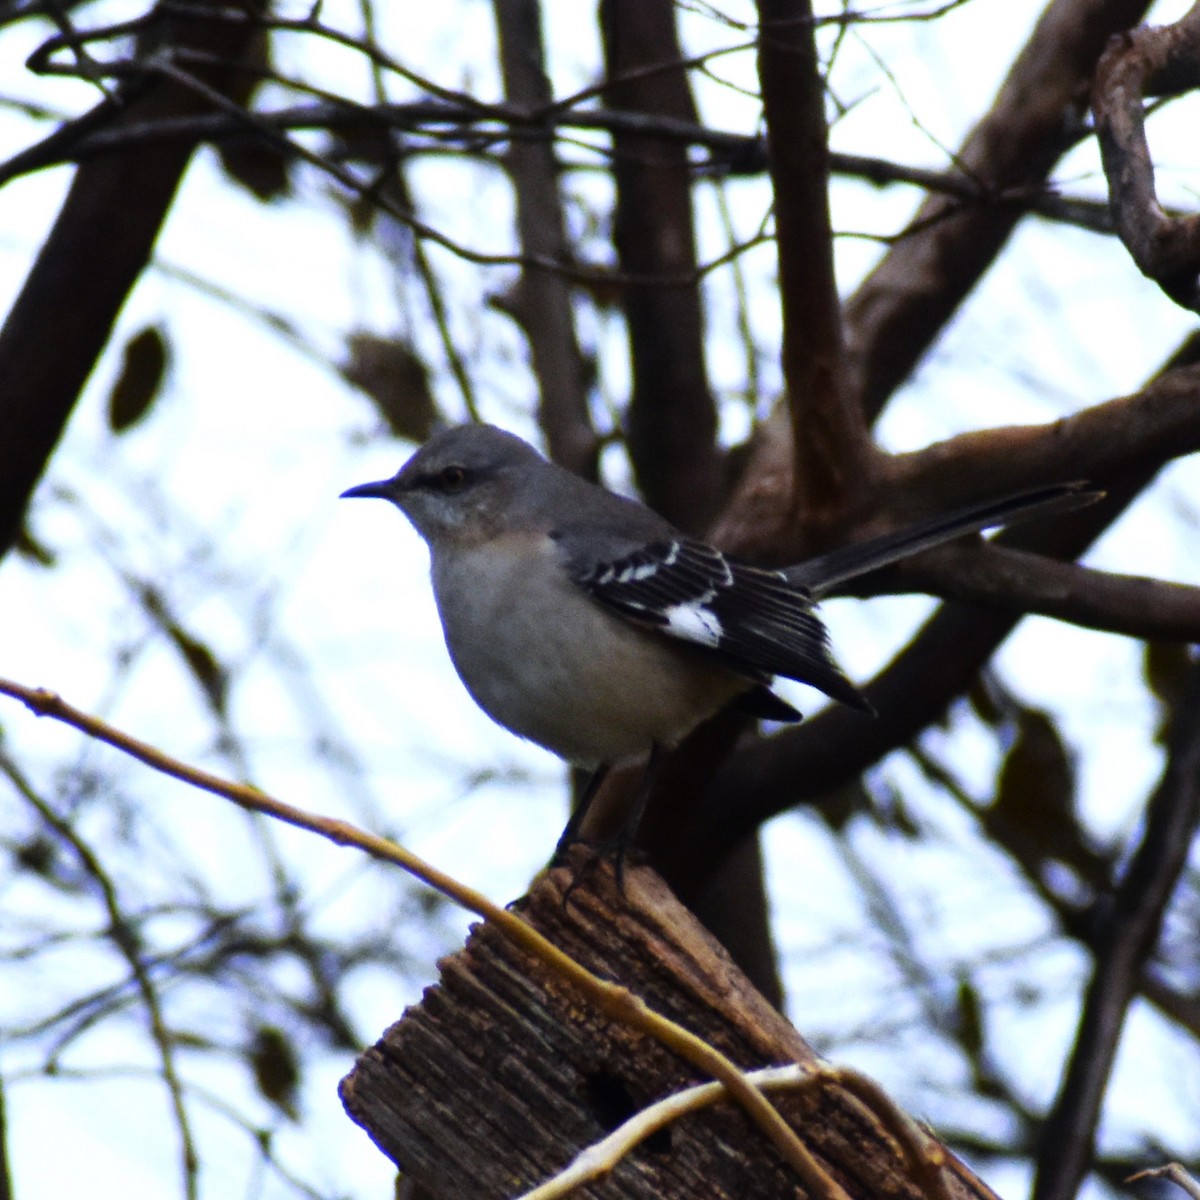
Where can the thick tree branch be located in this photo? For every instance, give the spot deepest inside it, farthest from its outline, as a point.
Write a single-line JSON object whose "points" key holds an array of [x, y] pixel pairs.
{"points": [[906, 301], [540, 301], [1125, 944], [672, 417], [833, 454], [999, 577], [109, 220], [1135, 433], [1119, 445], [827, 752], [1138, 64], [1129, 434]]}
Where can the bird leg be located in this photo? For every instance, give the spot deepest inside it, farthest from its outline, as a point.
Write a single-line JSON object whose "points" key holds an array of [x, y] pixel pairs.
{"points": [[619, 842], [570, 835]]}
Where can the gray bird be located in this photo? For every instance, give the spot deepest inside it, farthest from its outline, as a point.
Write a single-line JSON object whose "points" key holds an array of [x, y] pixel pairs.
{"points": [[588, 624]]}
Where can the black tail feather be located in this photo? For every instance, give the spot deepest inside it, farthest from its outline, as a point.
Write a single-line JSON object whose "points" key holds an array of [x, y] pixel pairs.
{"points": [[822, 574]]}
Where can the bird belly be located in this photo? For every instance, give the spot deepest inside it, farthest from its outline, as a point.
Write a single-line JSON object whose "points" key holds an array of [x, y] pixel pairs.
{"points": [[554, 667]]}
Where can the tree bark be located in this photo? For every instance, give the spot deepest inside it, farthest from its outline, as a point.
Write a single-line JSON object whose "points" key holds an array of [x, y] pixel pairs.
{"points": [[501, 1076]]}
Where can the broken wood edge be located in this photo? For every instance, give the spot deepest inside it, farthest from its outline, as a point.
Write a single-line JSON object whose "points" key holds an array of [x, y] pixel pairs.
{"points": [[503, 1044]]}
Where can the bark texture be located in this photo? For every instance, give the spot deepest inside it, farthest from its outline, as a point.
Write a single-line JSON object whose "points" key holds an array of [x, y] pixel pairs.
{"points": [[501, 1075]]}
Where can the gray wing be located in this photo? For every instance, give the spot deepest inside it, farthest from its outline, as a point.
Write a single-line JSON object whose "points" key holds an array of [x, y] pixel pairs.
{"points": [[751, 619]]}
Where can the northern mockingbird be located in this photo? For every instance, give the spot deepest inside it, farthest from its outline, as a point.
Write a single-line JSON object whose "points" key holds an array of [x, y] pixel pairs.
{"points": [[588, 624]]}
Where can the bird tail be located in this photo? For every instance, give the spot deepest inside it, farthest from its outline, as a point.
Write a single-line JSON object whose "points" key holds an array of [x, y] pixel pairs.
{"points": [[822, 574]]}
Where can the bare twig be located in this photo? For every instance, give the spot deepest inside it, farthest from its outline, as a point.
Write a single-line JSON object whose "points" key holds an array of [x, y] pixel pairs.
{"points": [[613, 1000], [1173, 1172], [126, 941], [449, 124], [925, 1159], [395, 181]]}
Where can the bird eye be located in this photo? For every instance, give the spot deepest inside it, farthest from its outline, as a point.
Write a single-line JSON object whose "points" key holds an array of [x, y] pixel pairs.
{"points": [[451, 479]]}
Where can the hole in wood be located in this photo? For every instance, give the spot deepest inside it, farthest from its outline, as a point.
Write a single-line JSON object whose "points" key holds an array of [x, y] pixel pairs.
{"points": [[612, 1105]]}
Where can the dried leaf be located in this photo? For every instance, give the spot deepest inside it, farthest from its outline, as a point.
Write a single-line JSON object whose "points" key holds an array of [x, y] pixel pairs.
{"points": [[143, 369], [391, 372], [276, 1068], [260, 167], [1034, 811], [1167, 666], [212, 677], [1037, 780], [970, 1019], [29, 547], [210, 674]]}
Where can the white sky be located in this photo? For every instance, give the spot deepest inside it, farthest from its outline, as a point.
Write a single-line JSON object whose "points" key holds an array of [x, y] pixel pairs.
{"points": [[254, 440]]}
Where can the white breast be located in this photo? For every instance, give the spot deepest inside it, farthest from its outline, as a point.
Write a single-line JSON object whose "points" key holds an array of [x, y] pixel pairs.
{"points": [[542, 658]]}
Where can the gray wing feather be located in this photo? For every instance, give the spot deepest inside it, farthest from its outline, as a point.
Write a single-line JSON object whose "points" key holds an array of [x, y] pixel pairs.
{"points": [[750, 618]]}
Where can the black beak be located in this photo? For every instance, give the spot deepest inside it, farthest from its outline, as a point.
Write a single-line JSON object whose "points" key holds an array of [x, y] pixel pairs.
{"points": [[383, 489]]}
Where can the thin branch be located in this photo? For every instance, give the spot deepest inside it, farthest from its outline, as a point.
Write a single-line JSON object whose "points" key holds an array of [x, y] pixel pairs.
{"points": [[733, 154], [925, 1159], [1082, 922], [614, 1001], [1173, 1172], [126, 941], [1127, 939], [396, 180]]}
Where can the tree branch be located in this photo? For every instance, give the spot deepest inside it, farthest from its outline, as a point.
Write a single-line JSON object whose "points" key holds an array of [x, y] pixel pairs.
{"points": [[1127, 940], [1128, 435], [110, 220], [825, 753], [1137, 64], [1135, 433], [832, 453], [448, 125], [540, 301], [1000, 577], [526, 1056], [672, 416], [907, 300], [613, 1001]]}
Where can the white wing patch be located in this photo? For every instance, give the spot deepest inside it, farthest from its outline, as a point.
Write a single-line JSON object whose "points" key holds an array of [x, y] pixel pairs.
{"points": [[753, 620], [694, 622]]}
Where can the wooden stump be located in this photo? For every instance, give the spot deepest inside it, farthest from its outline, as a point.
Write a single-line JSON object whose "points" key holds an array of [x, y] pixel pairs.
{"points": [[504, 1073]]}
